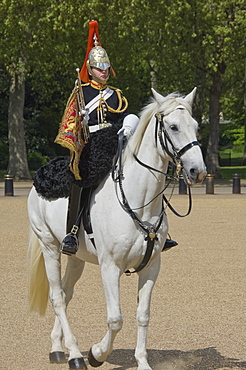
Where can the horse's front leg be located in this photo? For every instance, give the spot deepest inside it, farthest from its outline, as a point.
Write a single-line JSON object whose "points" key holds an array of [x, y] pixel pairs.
{"points": [[147, 279], [111, 281], [73, 272]]}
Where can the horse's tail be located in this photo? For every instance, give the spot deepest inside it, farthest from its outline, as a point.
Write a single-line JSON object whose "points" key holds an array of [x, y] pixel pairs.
{"points": [[38, 282]]}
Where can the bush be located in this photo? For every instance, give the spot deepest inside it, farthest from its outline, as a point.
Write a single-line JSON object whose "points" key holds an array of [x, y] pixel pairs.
{"points": [[36, 160]]}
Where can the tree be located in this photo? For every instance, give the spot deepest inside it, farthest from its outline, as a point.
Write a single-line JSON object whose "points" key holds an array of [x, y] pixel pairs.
{"points": [[223, 31], [244, 100], [18, 166], [16, 68], [34, 35], [171, 45], [203, 40]]}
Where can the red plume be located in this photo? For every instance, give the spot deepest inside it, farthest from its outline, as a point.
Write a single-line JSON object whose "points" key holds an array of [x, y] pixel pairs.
{"points": [[93, 30]]}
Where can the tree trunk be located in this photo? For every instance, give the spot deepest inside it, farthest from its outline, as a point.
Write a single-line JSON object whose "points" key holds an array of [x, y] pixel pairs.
{"points": [[212, 155], [244, 99], [18, 166]]}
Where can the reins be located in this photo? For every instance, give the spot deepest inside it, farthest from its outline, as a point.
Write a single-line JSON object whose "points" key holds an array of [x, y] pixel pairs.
{"points": [[162, 192], [150, 231]]}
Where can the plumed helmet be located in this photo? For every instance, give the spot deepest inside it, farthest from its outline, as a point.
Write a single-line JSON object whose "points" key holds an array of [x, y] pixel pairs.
{"points": [[96, 56]]}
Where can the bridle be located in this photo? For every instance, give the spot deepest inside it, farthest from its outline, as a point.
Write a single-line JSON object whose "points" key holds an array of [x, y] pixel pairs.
{"points": [[164, 138], [175, 155]]}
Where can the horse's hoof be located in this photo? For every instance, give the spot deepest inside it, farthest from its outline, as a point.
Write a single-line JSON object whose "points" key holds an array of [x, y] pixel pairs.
{"points": [[77, 363], [92, 361], [57, 357]]}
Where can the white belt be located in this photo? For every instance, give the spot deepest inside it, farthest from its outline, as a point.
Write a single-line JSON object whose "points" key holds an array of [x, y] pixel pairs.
{"points": [[95, 128]]}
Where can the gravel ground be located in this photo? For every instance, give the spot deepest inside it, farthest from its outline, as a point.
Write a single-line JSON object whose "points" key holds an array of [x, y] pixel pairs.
{"points": [[198, 304]]}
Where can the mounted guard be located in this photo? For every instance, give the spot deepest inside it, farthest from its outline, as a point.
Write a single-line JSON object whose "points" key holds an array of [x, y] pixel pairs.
{"points": [[92, 106], [129, 238]]}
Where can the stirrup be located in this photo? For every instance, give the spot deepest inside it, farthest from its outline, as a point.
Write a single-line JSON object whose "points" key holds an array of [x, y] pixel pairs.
{"points": [[70, 243]]}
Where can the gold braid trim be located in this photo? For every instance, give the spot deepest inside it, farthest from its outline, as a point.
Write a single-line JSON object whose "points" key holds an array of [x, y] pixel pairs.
{"points": [[122, 100]]}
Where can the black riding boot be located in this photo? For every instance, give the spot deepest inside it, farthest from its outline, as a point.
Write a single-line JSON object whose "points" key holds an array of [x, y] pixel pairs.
{"points": [[70, 243], [169, 243]]}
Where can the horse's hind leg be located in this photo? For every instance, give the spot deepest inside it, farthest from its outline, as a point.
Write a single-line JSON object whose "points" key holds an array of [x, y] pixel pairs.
{"points": [[110, 277], [73, 272], [147, 279], [58, 299]]}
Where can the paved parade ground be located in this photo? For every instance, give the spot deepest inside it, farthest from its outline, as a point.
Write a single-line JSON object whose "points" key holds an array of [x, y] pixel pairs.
{"points": [[198, 306]]}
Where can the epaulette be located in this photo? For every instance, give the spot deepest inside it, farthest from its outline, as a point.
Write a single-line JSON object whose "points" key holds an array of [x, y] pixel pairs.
{"points": [[123, 103], [115, 89]]}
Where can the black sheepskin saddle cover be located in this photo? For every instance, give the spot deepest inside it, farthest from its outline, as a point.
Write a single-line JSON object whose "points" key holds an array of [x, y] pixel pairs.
{"points": [[53, 180]]}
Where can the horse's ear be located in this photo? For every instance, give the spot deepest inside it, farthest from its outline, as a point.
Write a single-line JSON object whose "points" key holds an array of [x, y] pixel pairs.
{"points": [[158, 97], [190, 97]]}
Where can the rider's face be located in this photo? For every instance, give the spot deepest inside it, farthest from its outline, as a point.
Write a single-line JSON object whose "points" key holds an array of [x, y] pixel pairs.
{"points": [[100, 74]]}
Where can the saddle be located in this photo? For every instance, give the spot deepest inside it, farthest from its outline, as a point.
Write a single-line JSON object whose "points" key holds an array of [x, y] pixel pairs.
{"points": [[54, 179]]}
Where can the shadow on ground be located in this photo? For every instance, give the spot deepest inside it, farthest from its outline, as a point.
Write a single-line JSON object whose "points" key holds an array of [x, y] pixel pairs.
{"points": [[200, 359]]}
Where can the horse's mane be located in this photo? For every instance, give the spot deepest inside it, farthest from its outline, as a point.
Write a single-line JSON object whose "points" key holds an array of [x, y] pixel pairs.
{"points": [[166, 106]]}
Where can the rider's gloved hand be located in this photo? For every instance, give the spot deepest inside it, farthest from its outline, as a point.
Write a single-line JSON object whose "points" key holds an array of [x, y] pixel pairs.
{"points": [[129, 125]]}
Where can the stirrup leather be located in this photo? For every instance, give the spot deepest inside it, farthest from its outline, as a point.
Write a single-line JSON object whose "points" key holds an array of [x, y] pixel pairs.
{"points": [[74, 230]]}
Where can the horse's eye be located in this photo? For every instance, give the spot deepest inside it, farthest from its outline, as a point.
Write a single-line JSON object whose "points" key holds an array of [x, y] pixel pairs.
{"points": [[174, 128]]}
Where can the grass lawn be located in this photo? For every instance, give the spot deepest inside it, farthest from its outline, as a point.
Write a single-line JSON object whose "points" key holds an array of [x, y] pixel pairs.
{"points": [[227, 172], [230, 158]]}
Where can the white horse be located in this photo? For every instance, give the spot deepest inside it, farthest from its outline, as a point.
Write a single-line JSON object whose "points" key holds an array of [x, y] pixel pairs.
{"points": [[127, 218]]}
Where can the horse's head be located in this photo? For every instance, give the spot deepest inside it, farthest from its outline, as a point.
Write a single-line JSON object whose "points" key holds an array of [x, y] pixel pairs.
{"points": [[177, 132]]}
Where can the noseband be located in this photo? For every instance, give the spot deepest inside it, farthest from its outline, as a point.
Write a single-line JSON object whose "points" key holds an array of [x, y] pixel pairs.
{"points": [[164, 138]]}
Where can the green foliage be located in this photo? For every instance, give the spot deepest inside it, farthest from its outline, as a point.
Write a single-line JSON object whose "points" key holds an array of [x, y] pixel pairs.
{"points": [[172, 46], [232, 104], [36, 160], [233, 136]]}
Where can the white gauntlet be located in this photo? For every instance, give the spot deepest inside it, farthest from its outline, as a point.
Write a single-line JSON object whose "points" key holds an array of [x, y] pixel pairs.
{"points": [[130, 123]]}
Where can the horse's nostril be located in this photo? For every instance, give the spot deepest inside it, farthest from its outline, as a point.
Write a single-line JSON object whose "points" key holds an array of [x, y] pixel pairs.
{"points": [[193, 172]]}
